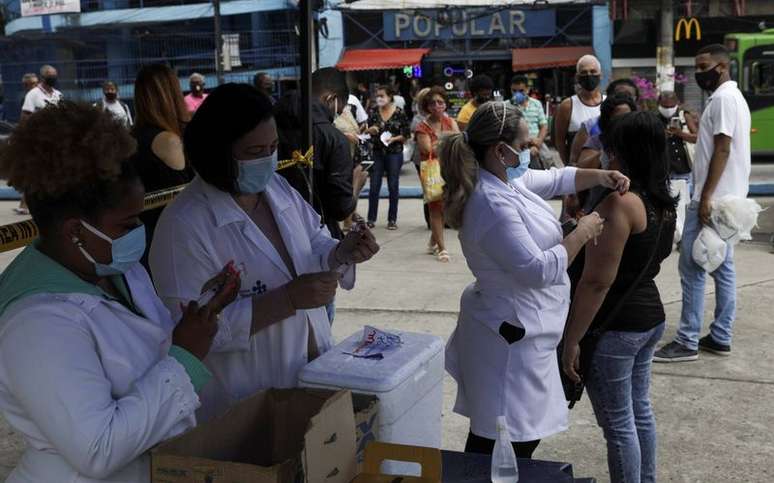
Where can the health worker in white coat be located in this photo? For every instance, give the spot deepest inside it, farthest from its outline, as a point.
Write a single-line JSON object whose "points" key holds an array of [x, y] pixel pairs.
{"points": [[93, 372], [503, 352], [237, 209]]}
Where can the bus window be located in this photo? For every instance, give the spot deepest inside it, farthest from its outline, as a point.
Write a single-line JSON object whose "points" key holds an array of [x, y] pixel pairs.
{"points": [[735, 71], [762, 78]]}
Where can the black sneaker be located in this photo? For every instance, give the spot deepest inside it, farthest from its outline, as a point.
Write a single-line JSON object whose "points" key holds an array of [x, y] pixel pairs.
{"points": [[707, 343], [392, 225], [675, 352]]}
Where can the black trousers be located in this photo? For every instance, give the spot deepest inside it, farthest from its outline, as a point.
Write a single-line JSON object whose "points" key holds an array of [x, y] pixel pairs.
{"points": [[477, 444]]}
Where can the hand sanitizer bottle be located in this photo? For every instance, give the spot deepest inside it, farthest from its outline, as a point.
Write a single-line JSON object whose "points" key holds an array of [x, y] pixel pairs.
{"points": [[504, 466]]}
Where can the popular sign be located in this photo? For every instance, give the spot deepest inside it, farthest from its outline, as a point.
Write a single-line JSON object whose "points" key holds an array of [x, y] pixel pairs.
{"points": [[48, 7], [468, 23]]}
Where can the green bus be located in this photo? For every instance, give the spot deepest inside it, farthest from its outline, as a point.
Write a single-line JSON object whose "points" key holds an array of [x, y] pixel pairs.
{"points": [[752, 67]]}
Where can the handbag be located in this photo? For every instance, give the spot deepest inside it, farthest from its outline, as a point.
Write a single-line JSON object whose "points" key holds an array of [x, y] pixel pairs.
{"points": [[574, 390], [432, 182]]}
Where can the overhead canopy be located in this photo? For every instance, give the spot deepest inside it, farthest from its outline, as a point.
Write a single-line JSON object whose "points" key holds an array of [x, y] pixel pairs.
{"points": [[143, 16], [440, 4], [373, 59], [547, 57]]}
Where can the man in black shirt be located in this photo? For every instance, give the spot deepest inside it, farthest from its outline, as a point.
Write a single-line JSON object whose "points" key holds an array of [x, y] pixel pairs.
{"points": [[332, 192]]}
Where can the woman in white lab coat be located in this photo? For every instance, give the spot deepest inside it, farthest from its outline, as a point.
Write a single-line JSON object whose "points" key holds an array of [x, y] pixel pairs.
{"points": [[91, 373], [236, 209], [503, 351]]}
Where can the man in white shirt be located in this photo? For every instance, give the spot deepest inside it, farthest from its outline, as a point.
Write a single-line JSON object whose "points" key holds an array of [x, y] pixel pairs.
{"points": [[721, 167], [42, 95]]}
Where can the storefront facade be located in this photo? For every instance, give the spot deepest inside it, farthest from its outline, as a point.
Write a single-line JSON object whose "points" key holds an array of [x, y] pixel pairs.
{"points": [[456, 43]]}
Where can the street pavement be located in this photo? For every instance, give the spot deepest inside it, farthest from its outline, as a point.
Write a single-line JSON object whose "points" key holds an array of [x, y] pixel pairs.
{"points": [[714, 416]]}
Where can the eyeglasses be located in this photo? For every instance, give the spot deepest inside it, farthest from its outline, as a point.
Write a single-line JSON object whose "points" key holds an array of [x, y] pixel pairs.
{"points": [[438, 102]]}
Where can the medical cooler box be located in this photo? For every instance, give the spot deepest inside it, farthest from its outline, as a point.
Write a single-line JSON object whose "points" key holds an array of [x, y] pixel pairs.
{"points": [[408, 381]]}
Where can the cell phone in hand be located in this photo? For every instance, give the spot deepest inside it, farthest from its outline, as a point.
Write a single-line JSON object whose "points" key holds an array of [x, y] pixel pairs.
{"points": [[674, 123]]}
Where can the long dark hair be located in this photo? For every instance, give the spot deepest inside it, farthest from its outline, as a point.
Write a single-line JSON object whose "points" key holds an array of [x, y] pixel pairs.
{"points": [[638, 142]]}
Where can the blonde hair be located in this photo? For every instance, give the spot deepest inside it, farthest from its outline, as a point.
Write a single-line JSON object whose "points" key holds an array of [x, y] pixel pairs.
{"points": [[158, 100], [460, 154]]}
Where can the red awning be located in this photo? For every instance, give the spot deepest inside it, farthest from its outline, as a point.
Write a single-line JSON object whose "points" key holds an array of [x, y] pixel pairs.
{"points": [[373, 59], [547, 57]]}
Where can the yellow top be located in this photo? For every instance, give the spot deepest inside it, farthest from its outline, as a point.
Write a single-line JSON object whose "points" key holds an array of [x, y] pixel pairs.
{"points": [[466, 112]]}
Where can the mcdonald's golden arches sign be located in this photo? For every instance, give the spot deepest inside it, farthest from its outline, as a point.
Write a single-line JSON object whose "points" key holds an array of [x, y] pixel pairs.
{"points": [[688, 26]]}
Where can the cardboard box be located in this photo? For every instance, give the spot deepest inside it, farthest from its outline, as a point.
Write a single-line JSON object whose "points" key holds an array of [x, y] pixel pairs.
{"points": [[275, 436], [366, 423]]}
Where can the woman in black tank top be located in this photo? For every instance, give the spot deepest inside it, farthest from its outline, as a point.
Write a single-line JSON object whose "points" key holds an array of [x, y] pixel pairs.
{"points": [[618, 295], [161, 116]]}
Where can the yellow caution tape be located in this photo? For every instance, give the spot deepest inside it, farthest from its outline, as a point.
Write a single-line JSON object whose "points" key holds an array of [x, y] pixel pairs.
{"points": [[17, 235], [22, 233], [306, 160]]}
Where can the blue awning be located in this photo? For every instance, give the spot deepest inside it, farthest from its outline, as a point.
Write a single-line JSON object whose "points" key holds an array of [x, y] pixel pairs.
{"points": [[130, 16]]}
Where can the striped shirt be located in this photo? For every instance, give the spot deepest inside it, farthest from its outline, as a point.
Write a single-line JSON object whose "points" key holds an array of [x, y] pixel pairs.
{"points": [[534, 116]]}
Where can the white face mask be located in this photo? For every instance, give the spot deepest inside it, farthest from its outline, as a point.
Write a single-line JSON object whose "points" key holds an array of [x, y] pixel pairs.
{"points": [[667, 112]]}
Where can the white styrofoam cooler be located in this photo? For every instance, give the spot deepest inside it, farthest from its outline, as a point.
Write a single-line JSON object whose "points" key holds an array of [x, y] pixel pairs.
{"points": [[408, 383]]}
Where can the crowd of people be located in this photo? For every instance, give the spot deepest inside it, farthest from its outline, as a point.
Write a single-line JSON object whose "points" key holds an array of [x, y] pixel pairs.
{"points": [[147, 322]]}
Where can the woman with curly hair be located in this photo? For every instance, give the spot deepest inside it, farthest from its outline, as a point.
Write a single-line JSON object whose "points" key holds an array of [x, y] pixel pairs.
{"points": [[93, 370]]}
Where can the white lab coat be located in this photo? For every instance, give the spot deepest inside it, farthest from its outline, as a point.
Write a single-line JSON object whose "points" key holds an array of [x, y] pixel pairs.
{"points": [[197, 235], [511, 240], [89, 384]]}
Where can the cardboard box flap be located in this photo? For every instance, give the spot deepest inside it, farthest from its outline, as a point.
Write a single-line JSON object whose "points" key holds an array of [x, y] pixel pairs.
{"points": [[240, 435], [331, 443]]}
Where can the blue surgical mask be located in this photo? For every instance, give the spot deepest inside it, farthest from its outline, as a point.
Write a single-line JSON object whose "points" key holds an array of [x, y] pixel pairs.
{"points": [[125, 251], [514, 172], [255, 174], [519, 97]]}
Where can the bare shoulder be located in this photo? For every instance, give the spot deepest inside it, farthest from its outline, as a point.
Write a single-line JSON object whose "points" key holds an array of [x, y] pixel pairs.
{"points": [[169, 147], [627, 208]]}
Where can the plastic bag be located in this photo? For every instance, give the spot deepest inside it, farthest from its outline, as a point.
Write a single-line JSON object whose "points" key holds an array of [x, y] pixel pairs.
{"points": [[734, 218], [432, 182]]}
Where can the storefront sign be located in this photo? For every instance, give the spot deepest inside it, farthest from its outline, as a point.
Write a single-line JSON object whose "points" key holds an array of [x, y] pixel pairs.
{"points": [[48, 7], [687, 26], [468, 24]]}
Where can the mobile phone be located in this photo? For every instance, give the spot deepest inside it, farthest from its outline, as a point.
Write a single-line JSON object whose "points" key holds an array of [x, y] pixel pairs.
{"points": [[674, 123]]}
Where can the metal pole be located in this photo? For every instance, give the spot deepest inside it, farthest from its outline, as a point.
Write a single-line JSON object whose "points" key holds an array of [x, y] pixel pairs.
{"points": [[307, 54], [665, 68], [218, 41]]}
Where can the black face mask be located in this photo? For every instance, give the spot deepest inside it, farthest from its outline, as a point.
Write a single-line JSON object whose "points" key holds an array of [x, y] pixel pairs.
{"points": [[709, 79], [50, 81], [589, 82], [111, 96]]}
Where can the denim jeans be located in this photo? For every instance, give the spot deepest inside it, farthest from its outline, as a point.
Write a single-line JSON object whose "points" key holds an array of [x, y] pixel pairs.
{"points": [[390, 162], [692, 278], [619, 389]]}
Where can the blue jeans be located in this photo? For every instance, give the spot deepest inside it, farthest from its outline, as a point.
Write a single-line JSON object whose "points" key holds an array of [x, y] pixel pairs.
{"points": [[692, 278], [390, 162], [619, 389]]}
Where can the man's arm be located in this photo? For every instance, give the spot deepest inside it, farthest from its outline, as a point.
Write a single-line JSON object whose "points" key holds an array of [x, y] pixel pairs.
{"points": [[578, 143], [561, 123], [717, 166], [338, 201]]}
